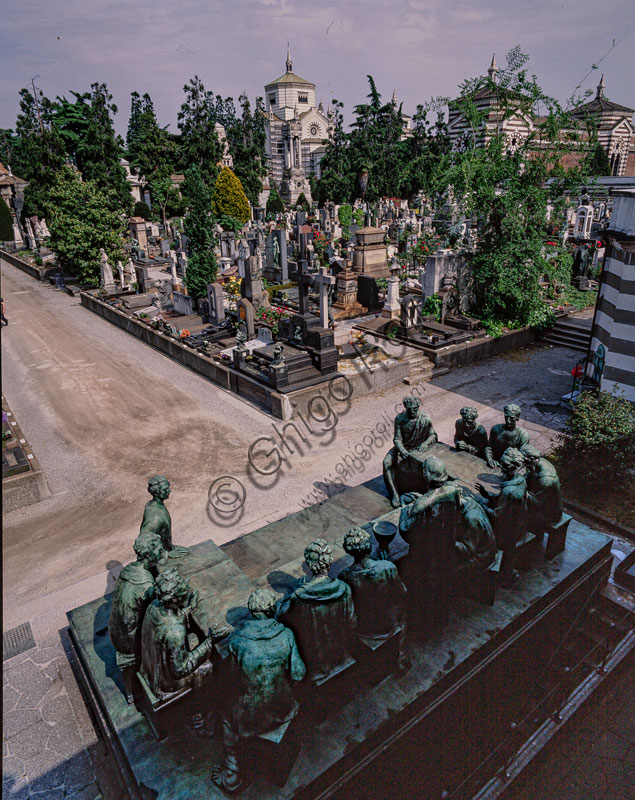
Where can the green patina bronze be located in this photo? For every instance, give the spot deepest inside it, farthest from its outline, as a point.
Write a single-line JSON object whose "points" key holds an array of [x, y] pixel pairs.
{"points": [[320, 613], [543, 485], [378, 591], [156, 518], [134, 591], [413, 435], [508, 511], [468, 435], [265, 660], [167, 663], [505, 435]]}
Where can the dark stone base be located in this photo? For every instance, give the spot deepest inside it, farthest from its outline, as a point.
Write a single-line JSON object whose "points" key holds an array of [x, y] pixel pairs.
{"points": [[468, 682]]}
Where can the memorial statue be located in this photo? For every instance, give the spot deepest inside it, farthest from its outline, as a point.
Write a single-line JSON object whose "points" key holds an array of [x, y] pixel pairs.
{"points": [[378, 591], [431, 525], [107, 279], [134, 591], [264, 659], [505, 435], [320, 613], [413, 435], [278, 357], [276, 251], [543, 485], [468, 436], [476, 543], [167, 663], [130, 273], [156, 517], [508, 512], [241, 338]]}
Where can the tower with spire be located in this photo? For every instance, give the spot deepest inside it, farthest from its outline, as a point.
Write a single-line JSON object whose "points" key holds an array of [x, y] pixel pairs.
{"points": [[295, 129]]}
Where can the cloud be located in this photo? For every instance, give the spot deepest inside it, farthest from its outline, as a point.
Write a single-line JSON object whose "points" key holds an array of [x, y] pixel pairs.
{"points": [[420, 47]]}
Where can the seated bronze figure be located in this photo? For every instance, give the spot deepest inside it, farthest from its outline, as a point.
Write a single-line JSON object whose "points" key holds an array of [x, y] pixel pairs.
{"points": [[505, 435]]}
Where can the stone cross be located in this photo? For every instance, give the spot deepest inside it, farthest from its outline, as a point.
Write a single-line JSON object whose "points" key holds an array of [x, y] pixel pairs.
{"points": [[324, 281]]}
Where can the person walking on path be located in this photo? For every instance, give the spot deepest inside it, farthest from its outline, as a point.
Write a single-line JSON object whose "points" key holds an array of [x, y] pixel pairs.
{"points": [[4, 319]]}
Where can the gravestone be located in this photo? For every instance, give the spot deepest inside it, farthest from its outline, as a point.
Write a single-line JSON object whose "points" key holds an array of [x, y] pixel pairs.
{"points": [[368, 293], [227, 244], [215, 299], [183, 303], [246, 315], [277, 256], [251, 286], [410, 315], [264, 333], [324, 281]]}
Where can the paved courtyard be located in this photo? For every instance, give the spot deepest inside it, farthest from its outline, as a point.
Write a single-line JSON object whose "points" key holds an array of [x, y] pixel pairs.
{"points": [[103, 412]]}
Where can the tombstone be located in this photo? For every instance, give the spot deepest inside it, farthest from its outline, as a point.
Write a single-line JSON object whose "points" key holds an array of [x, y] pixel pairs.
{"points": [[410, 314], [137, 227], [264, 333], [183, 303], [228, 244], [44, 231], [247, 316], [216, 302], [300, 218], [107, 280], [368, 293], [251, 286], [130, 273], [165, 247], [183, 266], [324, 282], [17, 236], [243, 252], [121, 275], [30, 235], [154, 230]]}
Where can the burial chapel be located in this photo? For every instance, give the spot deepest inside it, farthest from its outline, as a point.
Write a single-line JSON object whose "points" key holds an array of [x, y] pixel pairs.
{"points": [[296, 130]]}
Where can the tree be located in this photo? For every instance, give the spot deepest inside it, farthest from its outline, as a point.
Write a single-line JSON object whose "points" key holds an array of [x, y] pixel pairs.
{"points": [[425, 154], [303, 202], [228, 197], [142, 210], [165, 196], [72, 121], [81, 221], [504, 188], [37, 149], [151, 149], [6, 223], [337, 178], [100, 153], [199, 228], [199, 144], [599, 163], [246, 137], [274, 202]]}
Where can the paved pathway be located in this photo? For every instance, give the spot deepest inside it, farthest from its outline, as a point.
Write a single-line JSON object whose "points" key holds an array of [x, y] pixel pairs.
{"points": [[103, 412]]}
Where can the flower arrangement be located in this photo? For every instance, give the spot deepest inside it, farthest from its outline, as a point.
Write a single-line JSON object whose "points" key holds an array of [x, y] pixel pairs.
{"points": [[272, 316], [232, 287], [184, 333]]}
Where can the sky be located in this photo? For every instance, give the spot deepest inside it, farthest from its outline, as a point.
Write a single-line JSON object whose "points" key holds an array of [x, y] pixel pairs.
{"points": [[421, 48]]}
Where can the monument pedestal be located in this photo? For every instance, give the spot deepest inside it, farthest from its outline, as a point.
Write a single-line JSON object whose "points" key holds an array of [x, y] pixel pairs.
{"points": [[450, 714]]}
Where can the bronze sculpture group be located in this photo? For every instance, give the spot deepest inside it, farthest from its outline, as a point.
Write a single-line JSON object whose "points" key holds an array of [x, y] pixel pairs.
{"points": [[308, 634]]}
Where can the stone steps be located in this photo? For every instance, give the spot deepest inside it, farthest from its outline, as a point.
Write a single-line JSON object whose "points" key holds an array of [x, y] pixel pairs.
{"points": [[570, 333], [421, 368]]}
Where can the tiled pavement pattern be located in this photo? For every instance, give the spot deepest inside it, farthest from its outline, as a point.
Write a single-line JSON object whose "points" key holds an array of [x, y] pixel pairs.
{"points": [[50, 749]]}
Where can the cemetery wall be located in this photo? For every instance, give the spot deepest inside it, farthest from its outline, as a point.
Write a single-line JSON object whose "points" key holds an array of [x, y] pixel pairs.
{"points": [[465, 353], [31, 269]]}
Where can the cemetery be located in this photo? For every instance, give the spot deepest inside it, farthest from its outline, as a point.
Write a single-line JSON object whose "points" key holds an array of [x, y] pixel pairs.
{"points": [[447, 612], [400, 620]]}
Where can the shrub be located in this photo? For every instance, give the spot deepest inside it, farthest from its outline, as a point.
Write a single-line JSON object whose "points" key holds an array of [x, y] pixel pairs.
{"points": [[274, 203], [597, 447], [303, 202], [229, 198], [6, 223], [345, 216], [142, 210]]}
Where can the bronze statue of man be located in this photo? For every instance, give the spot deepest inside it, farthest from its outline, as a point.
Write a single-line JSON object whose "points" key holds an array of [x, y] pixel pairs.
{"points": [[469, 436], [543, 485], [167, 663], [505, 435], [378, 591], [134, 591], [431, 524], [265, 660], [413, 435], [508, 512], [476, 543], [320, 613], [156, 517]]}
